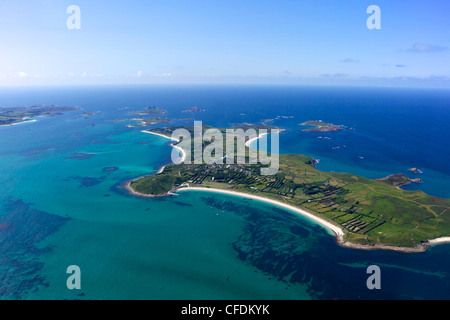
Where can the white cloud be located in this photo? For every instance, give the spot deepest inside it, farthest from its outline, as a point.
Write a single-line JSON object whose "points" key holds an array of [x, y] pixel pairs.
{"points": [[163, 75], [139, 74], [350, 60], [21, 74], [426, 48], [334, 75]]}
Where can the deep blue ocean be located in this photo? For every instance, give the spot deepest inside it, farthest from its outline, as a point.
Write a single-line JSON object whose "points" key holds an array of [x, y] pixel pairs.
{"points": [[61, 204]]}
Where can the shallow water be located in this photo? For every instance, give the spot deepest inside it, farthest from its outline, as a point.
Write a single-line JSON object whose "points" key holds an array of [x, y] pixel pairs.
{"points": [[62, 203]]}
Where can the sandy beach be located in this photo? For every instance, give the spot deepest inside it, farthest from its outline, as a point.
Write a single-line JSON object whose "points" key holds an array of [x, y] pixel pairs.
{"points": [[338, 231], [440, 240], [159, 134], [335, 229], [17, 123], [247, 144], [183, 157]]}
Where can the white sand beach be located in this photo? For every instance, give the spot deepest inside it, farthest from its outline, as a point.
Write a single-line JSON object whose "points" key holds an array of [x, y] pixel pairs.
{"points": [[337, 231], [183, 157], [17, 123], [247, 144], [440, 240], [159, 134]]}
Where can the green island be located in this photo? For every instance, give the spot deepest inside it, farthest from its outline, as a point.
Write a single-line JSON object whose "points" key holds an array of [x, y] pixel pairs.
{"points": [[149, 111], [319, 126], [194, 109], [87, 114], [373, 214], [144, 122], [15, 115]]}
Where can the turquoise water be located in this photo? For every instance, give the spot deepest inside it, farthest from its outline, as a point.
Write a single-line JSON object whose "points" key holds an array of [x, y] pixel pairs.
{"points": [[126, 247], [63, 204]]}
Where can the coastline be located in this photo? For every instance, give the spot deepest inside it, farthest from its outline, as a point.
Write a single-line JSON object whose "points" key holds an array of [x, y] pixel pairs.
{"points": [[128, 187], [337, 230], [440, 240], [159, 134], [247, 144], [183, 157], [16, 123]]}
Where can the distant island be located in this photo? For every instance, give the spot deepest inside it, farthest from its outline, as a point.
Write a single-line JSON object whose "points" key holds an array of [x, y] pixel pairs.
{"points": [[363, 213], [319, 126], [144, 122], [16, 115], [153, 110], [194, 109], [276, 118], [415, 170], [87, 114]]}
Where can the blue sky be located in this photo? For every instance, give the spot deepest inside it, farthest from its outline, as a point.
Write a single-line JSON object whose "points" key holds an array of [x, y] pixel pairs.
{"points": [[216, 41]]}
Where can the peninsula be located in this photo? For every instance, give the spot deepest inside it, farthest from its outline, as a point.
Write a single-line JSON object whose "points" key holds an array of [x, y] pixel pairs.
{"points": [[16, 115], [364, 213], [399, 180]]}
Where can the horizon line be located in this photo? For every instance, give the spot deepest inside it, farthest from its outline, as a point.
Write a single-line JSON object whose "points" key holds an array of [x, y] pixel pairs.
{"points": [[236, 84]]}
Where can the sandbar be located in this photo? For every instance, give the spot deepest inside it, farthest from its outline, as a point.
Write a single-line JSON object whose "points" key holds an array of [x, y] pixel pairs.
{"points": [[183, 157]]}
